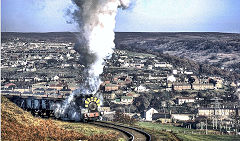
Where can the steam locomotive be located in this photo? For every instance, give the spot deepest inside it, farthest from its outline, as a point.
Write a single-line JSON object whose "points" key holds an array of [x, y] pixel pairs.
{"points": [[82, 108]]}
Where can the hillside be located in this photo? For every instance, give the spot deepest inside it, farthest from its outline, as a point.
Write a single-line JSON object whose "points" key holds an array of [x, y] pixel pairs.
{"points": [[217, 49], [17, 124]]}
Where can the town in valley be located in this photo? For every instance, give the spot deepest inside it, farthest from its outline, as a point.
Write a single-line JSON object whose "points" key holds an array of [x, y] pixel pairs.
{"points": [[147, 85]]}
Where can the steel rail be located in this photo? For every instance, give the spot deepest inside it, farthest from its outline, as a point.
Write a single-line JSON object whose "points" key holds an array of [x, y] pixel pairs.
{"points": [[148, 136], [129, 135]]}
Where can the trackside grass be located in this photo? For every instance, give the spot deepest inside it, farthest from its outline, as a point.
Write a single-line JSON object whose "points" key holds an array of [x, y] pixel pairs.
{"points": [[184, 134]]}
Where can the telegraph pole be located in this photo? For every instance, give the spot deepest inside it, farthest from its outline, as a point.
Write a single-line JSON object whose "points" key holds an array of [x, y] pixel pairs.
{"points": [[236, 118], [206, 127], [130, 108]]}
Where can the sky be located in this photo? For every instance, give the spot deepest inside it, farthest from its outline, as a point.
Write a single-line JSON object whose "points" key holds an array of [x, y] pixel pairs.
{"points": [[142, 16]]}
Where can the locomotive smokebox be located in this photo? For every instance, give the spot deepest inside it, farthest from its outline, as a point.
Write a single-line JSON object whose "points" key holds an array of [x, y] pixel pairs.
{"points": [[83, 107]]}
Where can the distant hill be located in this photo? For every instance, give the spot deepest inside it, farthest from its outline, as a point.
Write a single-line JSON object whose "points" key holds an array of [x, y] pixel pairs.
{"points": [[217, 49], [49, 36], [211, 42]]}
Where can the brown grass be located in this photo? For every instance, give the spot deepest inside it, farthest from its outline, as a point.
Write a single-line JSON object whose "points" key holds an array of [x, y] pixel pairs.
{"points": [[17, 124]]}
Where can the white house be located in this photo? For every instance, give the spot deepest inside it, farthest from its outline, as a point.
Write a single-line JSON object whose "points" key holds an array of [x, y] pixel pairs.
{"points": [[188, 72], [182, 117], [150, 67], [125, 65], [175, 71], [163, 65], [171, 78], [238, 93], [149, 113], [55, 78], [182, 100], [126, 99], [141, 89]]}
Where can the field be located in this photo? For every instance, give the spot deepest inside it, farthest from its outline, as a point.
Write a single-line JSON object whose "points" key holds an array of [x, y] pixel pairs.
{"points": [[17, 124], [183, 133]]}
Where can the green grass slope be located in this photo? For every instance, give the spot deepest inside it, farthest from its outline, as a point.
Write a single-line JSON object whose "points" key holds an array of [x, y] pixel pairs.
{"points": [[17, 124]]}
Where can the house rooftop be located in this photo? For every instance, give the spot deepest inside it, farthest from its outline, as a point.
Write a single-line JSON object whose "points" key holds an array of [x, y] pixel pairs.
{"points": [[186, 98], [9, 84], [27, 92], [156, 116], [126, 97], [111, 85]]}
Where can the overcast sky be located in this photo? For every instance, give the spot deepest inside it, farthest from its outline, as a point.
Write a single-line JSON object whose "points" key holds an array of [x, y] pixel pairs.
{"points": [[144, 15]]}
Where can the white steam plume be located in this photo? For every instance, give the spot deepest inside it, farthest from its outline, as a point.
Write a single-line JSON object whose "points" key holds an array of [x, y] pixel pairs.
{"points": [[96, 20]]}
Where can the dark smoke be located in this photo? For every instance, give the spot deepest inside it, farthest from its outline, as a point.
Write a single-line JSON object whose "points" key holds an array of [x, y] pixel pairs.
{"points": [[86, 57]]}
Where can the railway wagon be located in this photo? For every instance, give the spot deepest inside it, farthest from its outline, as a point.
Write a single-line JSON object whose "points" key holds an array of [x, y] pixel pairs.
{"points": [[85, 106]]}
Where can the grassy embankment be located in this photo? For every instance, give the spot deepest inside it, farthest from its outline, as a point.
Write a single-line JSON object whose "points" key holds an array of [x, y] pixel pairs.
{"points": [[183, 134], [17, 124]]}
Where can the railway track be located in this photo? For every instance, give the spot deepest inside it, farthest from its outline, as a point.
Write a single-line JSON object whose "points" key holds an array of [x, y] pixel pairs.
{"points": [[133, 134]]}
